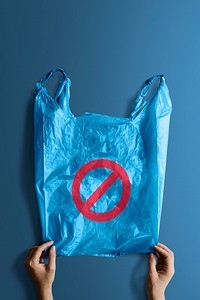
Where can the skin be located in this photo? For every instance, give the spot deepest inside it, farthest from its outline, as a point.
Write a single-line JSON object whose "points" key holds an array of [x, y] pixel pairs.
{"points": [[42, 274], [159, 274]]}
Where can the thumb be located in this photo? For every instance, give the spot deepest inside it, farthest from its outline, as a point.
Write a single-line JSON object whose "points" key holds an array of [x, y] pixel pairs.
{"points": [[152, 263], [52, 258]]}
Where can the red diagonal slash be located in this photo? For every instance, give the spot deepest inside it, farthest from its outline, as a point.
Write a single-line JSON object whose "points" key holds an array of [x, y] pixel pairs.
{"points": [[101, 190], [85, 207]]}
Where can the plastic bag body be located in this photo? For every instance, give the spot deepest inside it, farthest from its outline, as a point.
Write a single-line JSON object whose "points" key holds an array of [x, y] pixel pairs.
{"points": [[100, 179]]}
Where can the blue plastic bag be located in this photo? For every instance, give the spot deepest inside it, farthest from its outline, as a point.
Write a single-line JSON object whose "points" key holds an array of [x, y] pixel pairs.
{"points": [[100, 179]]}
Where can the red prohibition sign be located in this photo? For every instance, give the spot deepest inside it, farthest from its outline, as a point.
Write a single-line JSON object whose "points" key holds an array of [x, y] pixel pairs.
{"points": [[85, 207]]}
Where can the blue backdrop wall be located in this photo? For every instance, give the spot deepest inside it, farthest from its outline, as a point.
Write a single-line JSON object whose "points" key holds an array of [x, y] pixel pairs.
{"points": [[108, 49]]}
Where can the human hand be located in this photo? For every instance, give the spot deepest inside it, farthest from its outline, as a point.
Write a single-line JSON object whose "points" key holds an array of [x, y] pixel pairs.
{"points": [[160, 274], [42, 274]]}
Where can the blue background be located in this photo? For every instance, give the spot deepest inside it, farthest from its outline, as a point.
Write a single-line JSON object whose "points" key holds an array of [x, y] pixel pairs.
{"points": [[108, 49]]}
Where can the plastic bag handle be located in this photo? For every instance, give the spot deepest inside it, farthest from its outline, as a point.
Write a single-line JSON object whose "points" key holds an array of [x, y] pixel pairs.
{"points": [[63, 93], [148, 83], [139, 102], [51, 73]]}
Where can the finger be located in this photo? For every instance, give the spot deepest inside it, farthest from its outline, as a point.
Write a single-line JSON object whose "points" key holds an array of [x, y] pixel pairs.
{"points": [[158, 255], [52, 258], [165, 247], [30, 251], [28, 257], [164, 253], [42, 258], [152, 263], [38, 250]]}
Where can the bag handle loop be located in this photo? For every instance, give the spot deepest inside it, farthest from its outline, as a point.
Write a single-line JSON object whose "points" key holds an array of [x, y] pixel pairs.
{"points": [[139, 102], [63, 93], [51, 73]]}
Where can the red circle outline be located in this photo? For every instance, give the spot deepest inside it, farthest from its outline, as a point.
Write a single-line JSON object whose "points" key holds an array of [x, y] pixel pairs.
{"points": [[83, 206]]}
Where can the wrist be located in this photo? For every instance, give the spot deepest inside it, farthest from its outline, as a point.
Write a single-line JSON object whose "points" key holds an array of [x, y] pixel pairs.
{"points": [[155, 295], [45, 292]]}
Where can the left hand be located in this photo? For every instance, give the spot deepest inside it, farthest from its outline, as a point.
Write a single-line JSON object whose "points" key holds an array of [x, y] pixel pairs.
{"points": [[42, 274]]}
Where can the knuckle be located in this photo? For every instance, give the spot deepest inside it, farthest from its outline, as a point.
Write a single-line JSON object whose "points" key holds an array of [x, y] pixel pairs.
{"points": [[172, 272], [169, 255], [31, 264], [52, 253], [51, 269]]}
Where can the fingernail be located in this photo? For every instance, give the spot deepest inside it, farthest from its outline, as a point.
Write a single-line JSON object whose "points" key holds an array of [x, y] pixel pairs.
{"points": [[53, 248]]}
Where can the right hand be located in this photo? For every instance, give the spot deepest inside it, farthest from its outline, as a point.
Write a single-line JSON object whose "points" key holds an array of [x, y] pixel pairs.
{"points": [[160, 274]]}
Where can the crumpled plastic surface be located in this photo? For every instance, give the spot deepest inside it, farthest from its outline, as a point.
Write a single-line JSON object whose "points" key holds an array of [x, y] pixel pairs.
{"points": [[99, 179]]}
